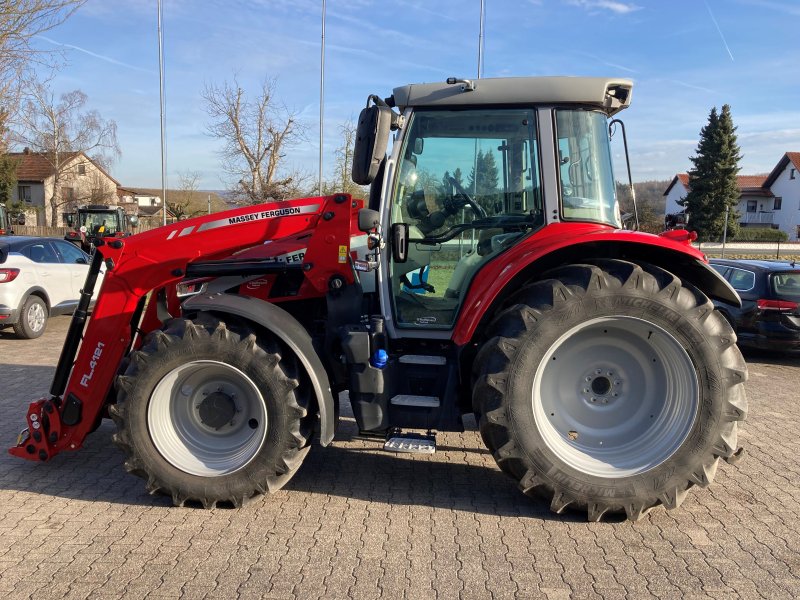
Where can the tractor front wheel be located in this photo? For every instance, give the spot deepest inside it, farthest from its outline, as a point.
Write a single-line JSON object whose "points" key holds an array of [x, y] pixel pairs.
{"points": [[610, 388], [208, 412]]}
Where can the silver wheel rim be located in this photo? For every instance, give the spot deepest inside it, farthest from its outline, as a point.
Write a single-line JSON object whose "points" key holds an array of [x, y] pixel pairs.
{"points": [[185, 413], [36, 317], [615, 396]]}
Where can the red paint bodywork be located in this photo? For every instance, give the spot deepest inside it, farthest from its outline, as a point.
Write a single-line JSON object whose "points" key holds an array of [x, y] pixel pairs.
{"points": [[158, 258], [490, 281]]}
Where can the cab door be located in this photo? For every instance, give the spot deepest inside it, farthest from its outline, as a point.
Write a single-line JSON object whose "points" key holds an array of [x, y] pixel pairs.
{"points": [[468, 186]]}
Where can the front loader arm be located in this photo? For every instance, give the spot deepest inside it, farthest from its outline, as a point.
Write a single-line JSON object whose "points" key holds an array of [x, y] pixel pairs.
{"points": [[149, 261]]}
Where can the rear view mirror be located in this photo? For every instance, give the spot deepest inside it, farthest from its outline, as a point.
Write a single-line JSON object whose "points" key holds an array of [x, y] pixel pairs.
{"points": [[400, 242], [368, 220], [372, 136]]}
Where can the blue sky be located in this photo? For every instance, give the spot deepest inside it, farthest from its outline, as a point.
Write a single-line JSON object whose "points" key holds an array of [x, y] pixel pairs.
{"points": [[684, 56]]}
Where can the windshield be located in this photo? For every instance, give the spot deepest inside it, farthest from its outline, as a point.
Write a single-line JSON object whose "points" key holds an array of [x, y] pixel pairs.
{"points": [[99, 223], [468, 185], [586, 175]]}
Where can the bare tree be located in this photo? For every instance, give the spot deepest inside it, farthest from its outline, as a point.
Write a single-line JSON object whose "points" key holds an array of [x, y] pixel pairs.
{"points": [[342, 181], [58, 129], [20, 22], [186, 201], [256, 132]]}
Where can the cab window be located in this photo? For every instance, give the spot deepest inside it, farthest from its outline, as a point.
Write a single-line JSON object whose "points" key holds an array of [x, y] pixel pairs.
{"points": [[468, 185], [585, 171]]}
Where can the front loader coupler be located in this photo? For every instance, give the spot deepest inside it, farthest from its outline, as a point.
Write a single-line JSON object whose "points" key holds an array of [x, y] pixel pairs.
{"points": [[37, 440]]}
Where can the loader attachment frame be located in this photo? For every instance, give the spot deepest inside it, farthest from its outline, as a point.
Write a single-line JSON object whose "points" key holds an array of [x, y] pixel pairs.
{"points": [[138, 268]]}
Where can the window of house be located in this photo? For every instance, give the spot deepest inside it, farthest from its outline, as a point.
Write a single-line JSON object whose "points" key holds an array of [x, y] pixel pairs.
{"points": [[24, 193], [778, 202], [791, 173], [81, 169], [751, 206], [68, 194]]}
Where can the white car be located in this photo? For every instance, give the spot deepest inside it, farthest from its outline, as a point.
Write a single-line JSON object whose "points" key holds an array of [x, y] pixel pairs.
{"points": [[39, 277]]}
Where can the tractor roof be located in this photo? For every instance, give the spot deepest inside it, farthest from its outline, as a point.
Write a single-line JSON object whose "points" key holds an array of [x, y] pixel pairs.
{"points": [[606, 94]]}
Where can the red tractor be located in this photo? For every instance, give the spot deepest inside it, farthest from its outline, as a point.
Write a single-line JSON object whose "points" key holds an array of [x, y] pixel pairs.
{"points": [[489, 274], [95, 222]]}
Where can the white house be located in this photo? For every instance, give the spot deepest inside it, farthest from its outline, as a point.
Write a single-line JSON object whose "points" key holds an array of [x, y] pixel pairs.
{"points": [[771, 201], [82, 181], [784, 183]]}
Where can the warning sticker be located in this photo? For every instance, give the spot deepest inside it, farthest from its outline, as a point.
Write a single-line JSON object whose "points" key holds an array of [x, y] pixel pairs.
{"points": [[342, 254]]}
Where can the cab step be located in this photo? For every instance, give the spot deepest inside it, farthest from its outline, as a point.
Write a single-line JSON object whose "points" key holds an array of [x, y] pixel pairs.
{"points": [[418, 401], [422, 359], [411, 443]]}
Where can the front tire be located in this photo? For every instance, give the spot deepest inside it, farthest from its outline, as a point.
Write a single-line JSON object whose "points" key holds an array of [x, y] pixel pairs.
{"points": [[208, 412], [610, 388]]}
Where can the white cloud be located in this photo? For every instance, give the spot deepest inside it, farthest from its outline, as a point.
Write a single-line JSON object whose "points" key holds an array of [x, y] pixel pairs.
{"points": [[620, 8]]}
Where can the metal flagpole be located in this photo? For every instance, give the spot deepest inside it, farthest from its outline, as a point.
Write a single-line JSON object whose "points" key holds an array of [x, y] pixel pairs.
{"points": [[162, 108], [321, 95], [481, 40]]}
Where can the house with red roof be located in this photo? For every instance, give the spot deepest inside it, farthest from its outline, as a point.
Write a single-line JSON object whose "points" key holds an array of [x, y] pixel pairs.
{"points": [[771, 200], [83, 181]]}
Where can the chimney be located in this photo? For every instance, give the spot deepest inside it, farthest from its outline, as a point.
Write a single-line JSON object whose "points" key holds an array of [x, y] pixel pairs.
{"points": [[26, 150]]}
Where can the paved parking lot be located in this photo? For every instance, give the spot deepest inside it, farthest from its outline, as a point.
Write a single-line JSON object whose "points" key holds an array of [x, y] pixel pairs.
{"points": [[359, 523]]}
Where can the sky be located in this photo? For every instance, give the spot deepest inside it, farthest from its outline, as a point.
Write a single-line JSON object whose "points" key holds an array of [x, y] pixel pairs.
{"points": [[684, 57]]}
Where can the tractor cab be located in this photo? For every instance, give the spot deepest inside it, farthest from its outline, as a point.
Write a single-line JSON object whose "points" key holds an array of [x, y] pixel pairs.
{"points": [[95, 222], [475, 167]]}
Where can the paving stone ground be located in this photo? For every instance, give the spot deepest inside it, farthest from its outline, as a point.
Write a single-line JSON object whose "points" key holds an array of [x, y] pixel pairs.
{"points": [[360, 523]]}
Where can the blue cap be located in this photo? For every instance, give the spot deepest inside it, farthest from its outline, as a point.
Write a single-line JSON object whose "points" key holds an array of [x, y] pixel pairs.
{"points": [[379, 359]]}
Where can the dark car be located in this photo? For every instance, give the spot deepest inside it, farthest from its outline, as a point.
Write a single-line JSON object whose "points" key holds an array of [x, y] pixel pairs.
{"points": [[770, 292]]}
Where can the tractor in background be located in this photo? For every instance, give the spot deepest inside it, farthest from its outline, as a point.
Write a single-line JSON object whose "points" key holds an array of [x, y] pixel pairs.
{"points": [[94, 224]]}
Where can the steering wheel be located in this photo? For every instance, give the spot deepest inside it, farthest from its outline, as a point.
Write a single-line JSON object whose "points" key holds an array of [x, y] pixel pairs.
{"points": [[477, 208]]}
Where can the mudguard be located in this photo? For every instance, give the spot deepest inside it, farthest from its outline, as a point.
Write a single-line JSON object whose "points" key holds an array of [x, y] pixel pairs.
{"points": [[565, 243], [290, 331]]}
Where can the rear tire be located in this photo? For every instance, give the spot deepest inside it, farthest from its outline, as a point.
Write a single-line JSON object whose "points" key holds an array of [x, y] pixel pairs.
{"points": [[32, 318], [610, 388], [207, 412]]}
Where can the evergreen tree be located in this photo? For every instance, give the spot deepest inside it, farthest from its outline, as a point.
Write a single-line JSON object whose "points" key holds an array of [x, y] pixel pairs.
{"points": [[8, 178], [712, 181], [484, 185]]}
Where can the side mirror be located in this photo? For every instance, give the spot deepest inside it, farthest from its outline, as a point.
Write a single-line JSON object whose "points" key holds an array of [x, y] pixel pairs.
{"points": [[133, 220], [368, 219], [400, 242], [372, 137], [70, 220]]}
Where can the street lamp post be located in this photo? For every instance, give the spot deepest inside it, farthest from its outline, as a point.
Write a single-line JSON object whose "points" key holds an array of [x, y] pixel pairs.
{"points": [[725, 230]]}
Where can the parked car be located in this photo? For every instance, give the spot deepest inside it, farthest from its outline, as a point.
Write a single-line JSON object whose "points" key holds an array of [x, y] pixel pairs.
{"points": [[39, 277], [770, 292]]}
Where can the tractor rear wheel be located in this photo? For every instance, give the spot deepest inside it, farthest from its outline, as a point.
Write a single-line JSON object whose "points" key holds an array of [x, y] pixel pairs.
{"points": [[610, 388], [207, 412]]}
